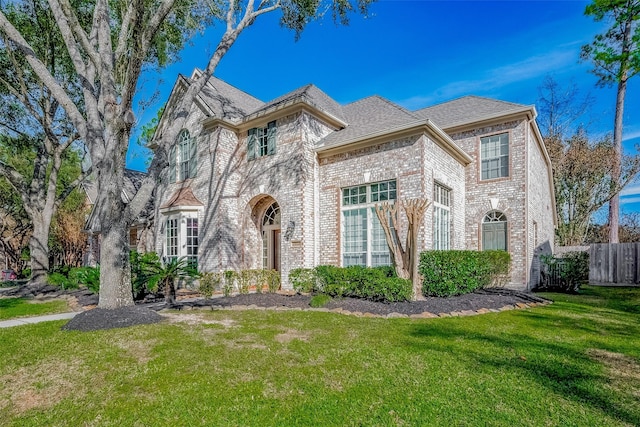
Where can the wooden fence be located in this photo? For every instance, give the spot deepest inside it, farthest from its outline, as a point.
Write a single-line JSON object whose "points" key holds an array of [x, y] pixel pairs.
{"points": [[614, 263]]}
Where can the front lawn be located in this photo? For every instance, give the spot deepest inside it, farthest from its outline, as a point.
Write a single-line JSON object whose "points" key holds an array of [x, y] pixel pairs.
{"points": [[11, 308], [575, 362]]}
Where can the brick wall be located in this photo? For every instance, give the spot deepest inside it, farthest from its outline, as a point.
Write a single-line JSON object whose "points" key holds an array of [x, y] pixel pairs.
{"points": [[414, 162], [507, 194]]}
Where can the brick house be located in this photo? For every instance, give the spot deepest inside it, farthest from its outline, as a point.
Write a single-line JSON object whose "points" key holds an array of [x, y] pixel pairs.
{"points": [[292, 182]]}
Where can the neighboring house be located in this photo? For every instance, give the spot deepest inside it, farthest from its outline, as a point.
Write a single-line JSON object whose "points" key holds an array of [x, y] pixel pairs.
{"points": [[293, 182], [141, 237]]}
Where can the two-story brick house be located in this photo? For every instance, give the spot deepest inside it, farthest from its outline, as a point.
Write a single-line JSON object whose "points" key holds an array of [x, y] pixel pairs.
{"points": [[293, 182]]}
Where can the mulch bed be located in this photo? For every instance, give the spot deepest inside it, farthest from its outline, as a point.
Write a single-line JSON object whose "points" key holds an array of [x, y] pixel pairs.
{"points": [[478, 302], [491, 299]]}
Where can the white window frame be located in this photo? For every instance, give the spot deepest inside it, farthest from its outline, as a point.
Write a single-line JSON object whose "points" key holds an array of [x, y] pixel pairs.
{"points": [[183, 247], [495, 219], [363, 198], [441, 217], [497, 162]]}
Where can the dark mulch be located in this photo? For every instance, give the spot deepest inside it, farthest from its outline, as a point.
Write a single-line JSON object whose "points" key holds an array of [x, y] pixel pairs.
{"points": [[489, 299], [100, 318]]}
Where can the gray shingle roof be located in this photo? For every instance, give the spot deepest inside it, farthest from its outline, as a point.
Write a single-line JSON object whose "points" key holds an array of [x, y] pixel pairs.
{"points": [[309, 94], [367, 116], [228, 102], [467, 109]]}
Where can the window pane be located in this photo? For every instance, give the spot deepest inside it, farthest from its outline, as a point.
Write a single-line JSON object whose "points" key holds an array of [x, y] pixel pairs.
{"points": [[494, 156], [355, 237]]}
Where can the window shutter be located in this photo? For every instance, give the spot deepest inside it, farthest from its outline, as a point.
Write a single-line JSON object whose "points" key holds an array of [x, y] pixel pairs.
{"points": [[193, 157], [251, 144], [271, 138], [172, 164]]}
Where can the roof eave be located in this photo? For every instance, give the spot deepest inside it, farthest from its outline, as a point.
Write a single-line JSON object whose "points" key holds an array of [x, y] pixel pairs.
{"points": [[413, 128], [294, 105], [528, 111]]}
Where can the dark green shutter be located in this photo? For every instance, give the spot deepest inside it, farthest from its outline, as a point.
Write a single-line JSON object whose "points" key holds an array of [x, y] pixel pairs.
{"points": [[193, 158], [251, 144], [271, 138], [172, 164]]}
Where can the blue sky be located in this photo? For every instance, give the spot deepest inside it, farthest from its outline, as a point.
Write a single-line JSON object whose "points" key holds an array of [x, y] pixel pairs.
{"points": [[415, 53]]}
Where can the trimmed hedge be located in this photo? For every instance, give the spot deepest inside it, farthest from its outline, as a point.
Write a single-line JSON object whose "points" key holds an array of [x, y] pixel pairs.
{"points": [[449, 273], [373, 284]]}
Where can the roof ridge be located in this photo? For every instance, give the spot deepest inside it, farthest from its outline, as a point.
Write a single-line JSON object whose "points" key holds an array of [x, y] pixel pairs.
{"points": [[467, 97]]}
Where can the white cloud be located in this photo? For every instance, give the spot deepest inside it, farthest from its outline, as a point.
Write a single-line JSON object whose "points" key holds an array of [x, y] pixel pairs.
{"points": [[529, 68], [628, 136], [630, 200]]}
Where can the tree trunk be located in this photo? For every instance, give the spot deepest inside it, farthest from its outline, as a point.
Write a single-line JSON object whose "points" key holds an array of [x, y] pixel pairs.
{"points": [[614, 204], [115, 272], [39, 247]]}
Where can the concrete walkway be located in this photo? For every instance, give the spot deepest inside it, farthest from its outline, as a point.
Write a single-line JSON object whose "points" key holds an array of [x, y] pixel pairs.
{"points": [[28, 320]]}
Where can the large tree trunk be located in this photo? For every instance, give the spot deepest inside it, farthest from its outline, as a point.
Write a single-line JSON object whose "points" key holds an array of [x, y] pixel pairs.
{"points": [[39, 247], [614, 204], [115, 272]]}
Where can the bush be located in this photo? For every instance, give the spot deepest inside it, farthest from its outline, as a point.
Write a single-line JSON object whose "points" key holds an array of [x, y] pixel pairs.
{"points": [[566, 273], [303, 279], [230, 279], [362, 282], [209, 283], [272, 279], [141, 265], [60, 280], [87, 276], [449, 273], [319, 300]]}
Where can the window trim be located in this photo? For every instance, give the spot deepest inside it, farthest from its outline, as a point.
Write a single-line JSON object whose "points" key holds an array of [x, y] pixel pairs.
{"points": [[261, 141], [181, 168], [439, 207], [506, 228], [508, 155], [369, 207], [183, 246]]}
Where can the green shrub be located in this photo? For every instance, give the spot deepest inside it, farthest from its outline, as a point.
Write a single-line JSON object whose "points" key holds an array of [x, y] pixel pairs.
{"points": [[319, 300], [387, 270], [209, 283], [87, 276], [303, 279], [566, 273], [362, 282], [60, 280], [449, 273], [272, 278], [230, 280], [141, 267]]}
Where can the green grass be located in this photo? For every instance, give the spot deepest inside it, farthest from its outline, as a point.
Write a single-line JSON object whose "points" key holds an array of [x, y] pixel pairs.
{"points": [[573, 363], [11, 308]]}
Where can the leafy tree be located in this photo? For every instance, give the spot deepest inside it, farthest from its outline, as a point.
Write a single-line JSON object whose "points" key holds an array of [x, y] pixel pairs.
{"points": [[34, 131], [584, 182], [616, 58], [583, 169], [108, 53]]}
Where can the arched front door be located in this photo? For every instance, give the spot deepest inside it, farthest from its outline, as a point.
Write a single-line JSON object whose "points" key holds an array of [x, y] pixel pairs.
{"points": [[271, 237]]}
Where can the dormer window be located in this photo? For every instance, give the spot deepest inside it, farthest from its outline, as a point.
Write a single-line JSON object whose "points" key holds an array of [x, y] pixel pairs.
{"points": [[261, 141], [183, 158]]}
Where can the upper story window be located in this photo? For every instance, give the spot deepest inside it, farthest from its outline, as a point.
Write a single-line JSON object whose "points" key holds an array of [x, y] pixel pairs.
{"points": [[261, 141], [494, 155], [183, 158], [494, 231], [441, 217], [363, 238]]}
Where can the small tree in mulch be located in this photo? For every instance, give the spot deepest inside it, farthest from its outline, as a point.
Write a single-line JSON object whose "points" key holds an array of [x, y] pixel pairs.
{"points": [[404, 258], [165, 275]]}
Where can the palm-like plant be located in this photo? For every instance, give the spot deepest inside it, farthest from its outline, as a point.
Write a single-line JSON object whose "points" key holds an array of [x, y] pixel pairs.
{"points": [[164, 276]]}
